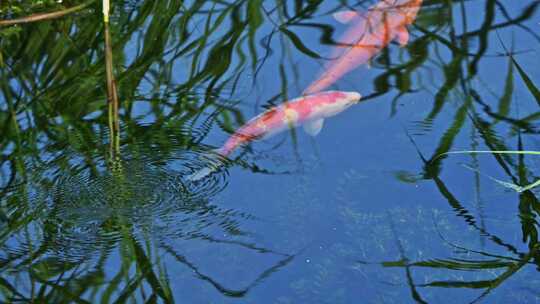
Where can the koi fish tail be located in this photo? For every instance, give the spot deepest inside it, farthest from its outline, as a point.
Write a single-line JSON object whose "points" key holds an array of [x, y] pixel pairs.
{"points": [[213, 163]]}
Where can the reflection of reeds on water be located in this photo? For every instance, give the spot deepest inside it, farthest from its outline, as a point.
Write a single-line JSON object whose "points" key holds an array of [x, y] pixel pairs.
{"points": [[89, 215], [503, 112], [61, 73]]}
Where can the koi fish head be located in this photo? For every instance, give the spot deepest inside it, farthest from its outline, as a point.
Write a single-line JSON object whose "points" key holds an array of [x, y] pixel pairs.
{"points": [[335, 102]]}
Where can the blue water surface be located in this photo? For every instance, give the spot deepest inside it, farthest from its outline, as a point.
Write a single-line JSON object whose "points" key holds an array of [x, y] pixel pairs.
{"points": [[368, 211]]}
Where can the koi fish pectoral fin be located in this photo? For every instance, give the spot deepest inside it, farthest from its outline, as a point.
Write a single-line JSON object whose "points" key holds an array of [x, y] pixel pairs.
{"points": [[314, 127], [214, 162], [402, 36], [345, 16]]}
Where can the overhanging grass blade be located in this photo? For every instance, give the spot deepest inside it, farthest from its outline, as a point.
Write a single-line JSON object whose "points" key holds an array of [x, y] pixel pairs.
{"points": [[525, 152], [512, 186], [509, 185]]}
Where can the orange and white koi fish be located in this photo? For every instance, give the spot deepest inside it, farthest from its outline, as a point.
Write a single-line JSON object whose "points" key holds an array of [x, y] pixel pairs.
{"points": [[369, 34], [310, 111]]}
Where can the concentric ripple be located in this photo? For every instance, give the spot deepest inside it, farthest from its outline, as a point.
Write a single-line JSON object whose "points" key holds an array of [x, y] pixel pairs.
{"points": [[79, 207]]}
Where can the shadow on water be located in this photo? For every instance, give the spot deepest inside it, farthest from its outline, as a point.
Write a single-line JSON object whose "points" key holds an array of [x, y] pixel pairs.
{"points": [[98, 139]]}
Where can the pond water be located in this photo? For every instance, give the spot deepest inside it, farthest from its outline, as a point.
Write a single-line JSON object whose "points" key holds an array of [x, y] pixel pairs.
{"points": [[97, 205]]}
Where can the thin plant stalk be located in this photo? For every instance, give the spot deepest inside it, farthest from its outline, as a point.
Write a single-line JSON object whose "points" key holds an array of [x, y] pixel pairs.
{"points": [[46, 16], [112, 94], [106, 8], [515, 187]]}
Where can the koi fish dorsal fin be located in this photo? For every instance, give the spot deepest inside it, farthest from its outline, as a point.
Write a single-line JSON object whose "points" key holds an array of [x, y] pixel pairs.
{"points": [[314, 127], [402, 36], [345, 16]]}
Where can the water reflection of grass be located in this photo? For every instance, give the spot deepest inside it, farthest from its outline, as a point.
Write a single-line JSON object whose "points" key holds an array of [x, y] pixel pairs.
{"points": [[508, 266], [186, 60], [505, 266], [102, 238], [503, 111]]}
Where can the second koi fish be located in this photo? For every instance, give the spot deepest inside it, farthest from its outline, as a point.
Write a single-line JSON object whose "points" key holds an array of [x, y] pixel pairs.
{"points": [[368, 35]]}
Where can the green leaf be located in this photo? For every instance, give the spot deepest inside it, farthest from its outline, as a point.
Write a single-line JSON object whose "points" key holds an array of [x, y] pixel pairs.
{"points": [[255, 20], [528, 82], [299, 44], [49, 268], [145, 267], [504, 104]]}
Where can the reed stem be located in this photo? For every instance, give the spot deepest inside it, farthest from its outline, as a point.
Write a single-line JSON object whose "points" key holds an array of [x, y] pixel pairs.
{"points": [[106, 8]]}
